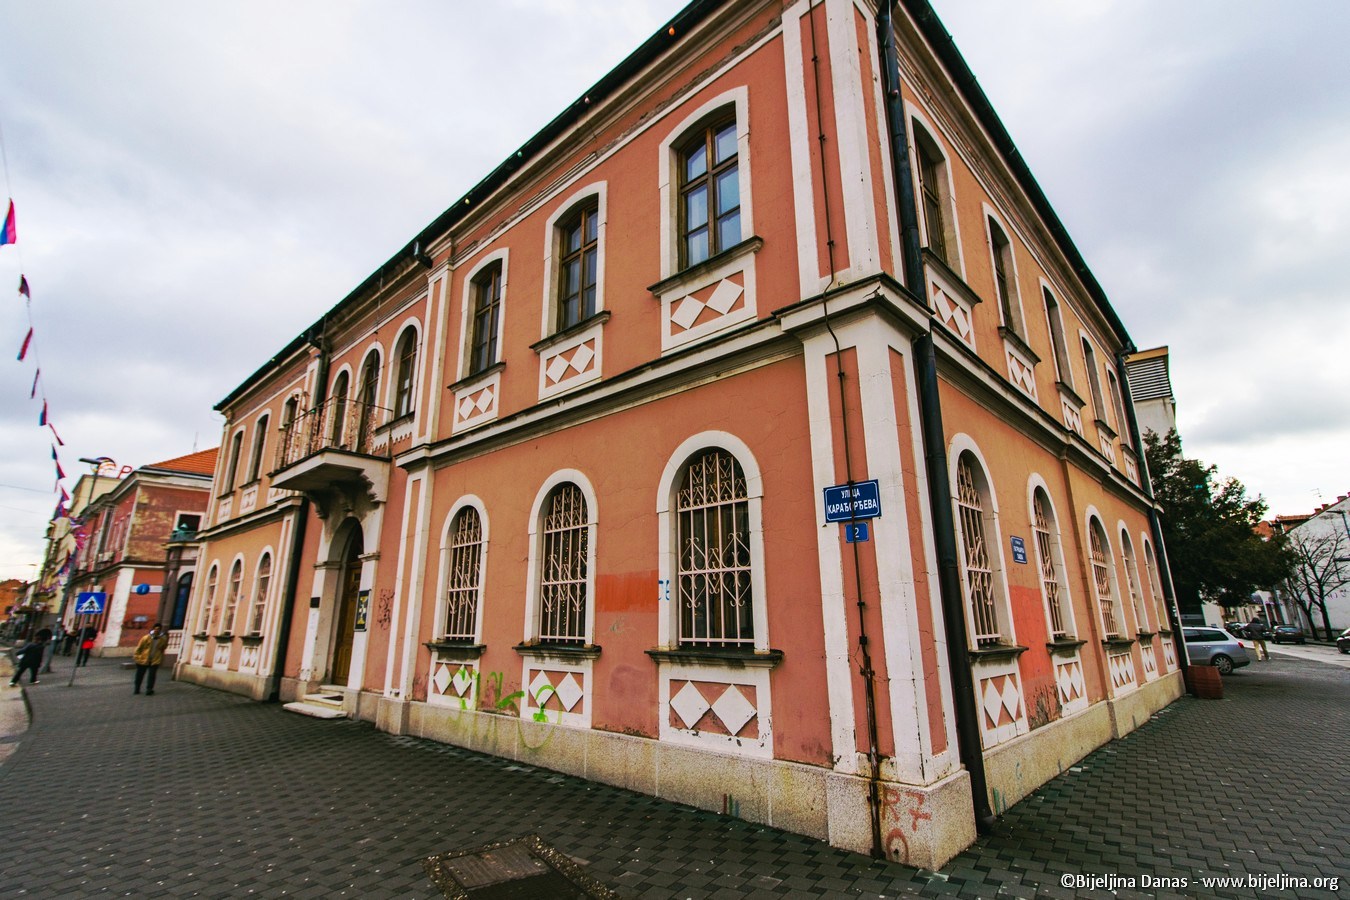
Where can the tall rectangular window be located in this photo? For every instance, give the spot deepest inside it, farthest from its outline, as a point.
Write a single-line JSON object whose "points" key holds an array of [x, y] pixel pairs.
{"points": [[232, 471], [563, 583], [1001, 250], [1045, 552], [1101, 581], [487, 304], [463, 577], [1094, 380], [578, 268], [405, 366], [710, 193], [259, 445], [1057, 343], [713, 536], [930, 194], [255, 618], [978, 566]]}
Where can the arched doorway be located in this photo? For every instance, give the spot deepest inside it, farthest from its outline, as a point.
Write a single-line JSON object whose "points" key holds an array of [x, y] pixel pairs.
{"points": [[349, 585]]}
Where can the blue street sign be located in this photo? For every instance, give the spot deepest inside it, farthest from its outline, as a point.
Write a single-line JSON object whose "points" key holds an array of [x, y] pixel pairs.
{"points": [[861, 500], [90, 603], [142, 588], [855, 532], [1019, 550]]}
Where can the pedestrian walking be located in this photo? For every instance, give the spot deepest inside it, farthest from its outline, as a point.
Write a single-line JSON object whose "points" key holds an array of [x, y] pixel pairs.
{"points": [[1257, 632], [50, 650], [72, 635], [29, 658], [148, 655], [86, 645]]}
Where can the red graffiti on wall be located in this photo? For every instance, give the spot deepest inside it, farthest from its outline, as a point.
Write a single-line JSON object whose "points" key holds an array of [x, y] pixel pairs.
{"points": [[892, 799]]}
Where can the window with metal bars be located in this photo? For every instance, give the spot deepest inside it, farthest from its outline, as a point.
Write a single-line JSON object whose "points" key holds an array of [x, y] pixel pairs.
{"points": [[710, 193], [1132, 582], [1101, 580], [264, 578], [970, 502], [1155, 586], [1046, 554], [563, 585], [208, 600], [713, 538], [231, 597], [487, 304], [464, 576]]}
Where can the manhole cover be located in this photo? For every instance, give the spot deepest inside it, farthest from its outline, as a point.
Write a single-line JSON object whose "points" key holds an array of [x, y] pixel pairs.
{"points": [[523, 869]]}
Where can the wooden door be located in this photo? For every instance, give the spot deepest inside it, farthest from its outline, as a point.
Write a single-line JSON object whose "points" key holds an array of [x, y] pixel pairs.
{"points": [[346, 624]]}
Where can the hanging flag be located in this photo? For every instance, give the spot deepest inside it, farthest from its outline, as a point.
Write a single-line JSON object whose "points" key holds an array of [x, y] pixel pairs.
{"points": [[59, 442], [23, 287], [28, 339], [42, 418], [9, 234], [60, 472], [65, 495], [33, 392]]}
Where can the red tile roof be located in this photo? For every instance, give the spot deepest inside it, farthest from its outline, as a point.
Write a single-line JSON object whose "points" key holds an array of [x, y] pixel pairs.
{"points": [[203, 463]]}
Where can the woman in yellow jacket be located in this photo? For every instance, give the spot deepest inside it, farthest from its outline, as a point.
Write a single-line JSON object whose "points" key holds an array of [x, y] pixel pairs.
{"points": [[149, 654]]}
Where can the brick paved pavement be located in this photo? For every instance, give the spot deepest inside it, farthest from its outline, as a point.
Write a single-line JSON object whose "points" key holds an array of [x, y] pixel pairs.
{"points": [[195, 793]]}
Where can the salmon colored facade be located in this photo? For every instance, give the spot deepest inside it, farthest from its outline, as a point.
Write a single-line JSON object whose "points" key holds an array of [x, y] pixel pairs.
{"points": [[552, 483]]}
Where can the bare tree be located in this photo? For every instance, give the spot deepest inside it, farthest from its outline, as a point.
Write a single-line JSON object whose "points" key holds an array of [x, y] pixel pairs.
{"points": [[1321, 567]]}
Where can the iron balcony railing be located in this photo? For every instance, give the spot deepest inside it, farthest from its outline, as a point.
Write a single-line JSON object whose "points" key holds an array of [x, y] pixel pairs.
{"points": [[337, 424]]}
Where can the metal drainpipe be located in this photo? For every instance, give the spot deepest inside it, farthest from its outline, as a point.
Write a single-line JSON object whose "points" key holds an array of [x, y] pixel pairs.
{"points": [[969, 742], [320, 341], [1154, 522]]}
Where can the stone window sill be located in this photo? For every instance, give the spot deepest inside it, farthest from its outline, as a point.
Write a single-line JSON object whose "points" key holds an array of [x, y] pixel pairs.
{"points": [[718, 656]]}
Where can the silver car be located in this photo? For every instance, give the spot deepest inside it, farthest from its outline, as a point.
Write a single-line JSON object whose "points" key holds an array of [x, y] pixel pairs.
{"points": [[1214, 647]]}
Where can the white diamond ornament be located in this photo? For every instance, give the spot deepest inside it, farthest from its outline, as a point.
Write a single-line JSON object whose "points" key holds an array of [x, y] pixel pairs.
{"points": [[687, 311], [569, 692], [689, 705], [733, 709]]}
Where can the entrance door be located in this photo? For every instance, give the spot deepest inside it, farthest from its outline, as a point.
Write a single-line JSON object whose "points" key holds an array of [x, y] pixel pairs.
{"points": [[348, 587]]}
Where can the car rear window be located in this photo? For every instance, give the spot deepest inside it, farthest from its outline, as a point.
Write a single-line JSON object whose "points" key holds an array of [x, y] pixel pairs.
{"points": [[1206, 634]]}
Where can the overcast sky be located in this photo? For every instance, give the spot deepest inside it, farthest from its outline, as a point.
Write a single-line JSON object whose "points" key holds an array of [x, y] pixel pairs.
{"points": [[196, 182]]}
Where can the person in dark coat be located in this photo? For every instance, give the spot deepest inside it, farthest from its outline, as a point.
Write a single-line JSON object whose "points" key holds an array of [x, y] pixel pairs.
{"points": [[29, 658]]}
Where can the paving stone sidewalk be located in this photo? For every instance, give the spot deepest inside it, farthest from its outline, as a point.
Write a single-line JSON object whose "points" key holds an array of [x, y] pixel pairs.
{"points": [[196, 793]]}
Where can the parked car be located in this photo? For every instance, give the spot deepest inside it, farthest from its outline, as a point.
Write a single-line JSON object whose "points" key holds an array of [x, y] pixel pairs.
{"points": [[1214, 647], [1234, 628], [1343, 641], [1288, 634]]}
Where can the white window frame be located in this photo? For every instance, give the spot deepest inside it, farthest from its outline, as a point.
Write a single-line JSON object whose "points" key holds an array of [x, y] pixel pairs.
{"points": [[998, 581], [1055, 551], [1130, 563], [234, 587], [209, 586], [503, 256], [261, 593], [410, 327], [951, 232], [598, 191], [533, 588], [1018, 326], [468, 502], [1093, 520]]}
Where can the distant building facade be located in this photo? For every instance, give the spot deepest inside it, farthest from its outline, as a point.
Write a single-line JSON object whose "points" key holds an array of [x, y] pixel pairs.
{"points": [[1326, 534], [1150, 378], [123, 549], [697, 455]]}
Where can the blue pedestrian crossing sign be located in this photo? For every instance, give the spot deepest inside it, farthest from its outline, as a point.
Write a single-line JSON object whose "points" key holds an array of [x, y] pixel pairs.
{"points": [[90, 603]]}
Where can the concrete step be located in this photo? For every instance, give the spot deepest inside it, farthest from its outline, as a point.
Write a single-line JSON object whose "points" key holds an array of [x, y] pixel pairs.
{"points": [[317, 710]]}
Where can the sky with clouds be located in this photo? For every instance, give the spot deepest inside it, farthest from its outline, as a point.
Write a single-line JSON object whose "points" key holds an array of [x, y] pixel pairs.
{"points": [[195, 183]]}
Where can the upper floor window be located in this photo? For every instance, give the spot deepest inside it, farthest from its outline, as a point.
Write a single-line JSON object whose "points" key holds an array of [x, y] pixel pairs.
{"points": [[483, 330], [1155, 587], [974, 504], [1057, 344], [933, 194], [710, 192], [259, 445], [232, 469], [405, 367], [578, 265], [564, 585], [1101, 580], [260, 590], [337, 424], [1117, 405], [463, 577], [1132, 582], [1094, 380], [1005, 284], [231, 597], [713, 541], [1051, 564]]}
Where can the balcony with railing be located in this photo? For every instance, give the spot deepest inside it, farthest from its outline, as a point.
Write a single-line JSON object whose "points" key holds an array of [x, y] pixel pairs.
{"points": [[340, 446]]}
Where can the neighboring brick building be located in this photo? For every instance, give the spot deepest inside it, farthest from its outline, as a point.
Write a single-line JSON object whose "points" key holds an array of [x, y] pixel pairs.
{"points": [[555, 481], [128, 528]]}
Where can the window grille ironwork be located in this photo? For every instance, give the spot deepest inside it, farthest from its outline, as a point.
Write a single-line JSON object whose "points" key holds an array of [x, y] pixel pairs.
{"points": [[563, 582], [1155, 585], [713, 536], [255, 618], [1050, 583], [462, 579], [1101, 579], [208, 600], [1132, 583], [231, 598], [979, 571], [336, 424]]}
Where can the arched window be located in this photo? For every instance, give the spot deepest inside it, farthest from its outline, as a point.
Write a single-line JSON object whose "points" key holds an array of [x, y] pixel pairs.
{"points": [[578, 264], [405, 363], [208, 601], [365, 417], [1005, 284], [1155, 586], [710, 192], [337, 422], [713, 543], [1101, 579], [1132, 582], [563, 582], [487, 304], [231, 597], [1051, 565], [259, 446], [182, 593], [463, 576], [263, 583], [236, 449], [979, 556]]}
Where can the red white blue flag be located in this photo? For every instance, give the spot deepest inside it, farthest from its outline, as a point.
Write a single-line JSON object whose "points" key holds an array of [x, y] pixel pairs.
{"points": [[9, 234]]}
